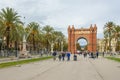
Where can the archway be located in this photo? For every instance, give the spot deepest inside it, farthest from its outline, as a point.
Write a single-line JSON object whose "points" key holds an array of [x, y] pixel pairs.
{"points": [[81, 44], [88, 33]]}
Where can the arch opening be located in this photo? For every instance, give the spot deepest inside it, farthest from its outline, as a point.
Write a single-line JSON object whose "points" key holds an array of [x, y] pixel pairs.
{"points": [[82, 44]]}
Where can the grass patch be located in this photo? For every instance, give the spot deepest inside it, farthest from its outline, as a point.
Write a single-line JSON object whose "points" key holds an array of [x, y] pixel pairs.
{"points": [[114, 58], [9, 64]]}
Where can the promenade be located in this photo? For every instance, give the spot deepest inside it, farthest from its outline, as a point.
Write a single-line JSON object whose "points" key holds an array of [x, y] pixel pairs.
{"points": [[82, 69]]}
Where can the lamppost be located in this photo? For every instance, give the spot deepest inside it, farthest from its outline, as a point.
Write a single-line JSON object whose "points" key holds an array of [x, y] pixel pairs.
{"points": [[52, 44], [61, 46]]}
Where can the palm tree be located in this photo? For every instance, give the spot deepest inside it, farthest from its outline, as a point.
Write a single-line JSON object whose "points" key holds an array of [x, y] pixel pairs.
{"points": [[8, 20], [108, 30], [41, 41], [48, 33], [116, 35], [59, 38], [16, 36], [33, 27], [105, 42]]}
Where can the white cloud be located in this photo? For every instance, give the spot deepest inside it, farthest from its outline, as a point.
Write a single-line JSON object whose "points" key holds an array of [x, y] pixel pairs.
{"points": [[61, 13]]}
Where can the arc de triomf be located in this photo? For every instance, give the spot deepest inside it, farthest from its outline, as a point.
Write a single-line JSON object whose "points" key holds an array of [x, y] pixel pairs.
{"points": [[87, 33]]}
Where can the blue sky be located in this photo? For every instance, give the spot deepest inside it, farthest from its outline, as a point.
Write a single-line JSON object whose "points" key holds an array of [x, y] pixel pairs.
{"points": [[61, 13], [82, 42]]}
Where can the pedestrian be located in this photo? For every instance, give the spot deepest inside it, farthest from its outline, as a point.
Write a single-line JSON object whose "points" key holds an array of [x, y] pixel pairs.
{"points": [[68, 56], [59, 56], [54, 55], [85, 54], [75, 57], [103, 54], [97, 54], [63, 56], [92, 56]]}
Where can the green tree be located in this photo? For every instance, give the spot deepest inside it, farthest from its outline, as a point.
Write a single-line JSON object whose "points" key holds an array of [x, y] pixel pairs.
{"points": [[116, 36], [59, 39], [105, 41], [9, 18], [48, 33], [16, 36], [65, 46], [108, 30], [33, 28]]}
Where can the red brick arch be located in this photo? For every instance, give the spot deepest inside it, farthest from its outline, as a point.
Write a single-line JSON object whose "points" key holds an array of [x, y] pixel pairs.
{"points": [[88, 33]]}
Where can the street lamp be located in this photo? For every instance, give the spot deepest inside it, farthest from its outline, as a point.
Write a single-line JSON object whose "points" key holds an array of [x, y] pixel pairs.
{"points": [[62, 46], [52, 44]]}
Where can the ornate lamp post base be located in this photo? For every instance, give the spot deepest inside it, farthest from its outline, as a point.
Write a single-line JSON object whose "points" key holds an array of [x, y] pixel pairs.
{"points": [[24, 53]]}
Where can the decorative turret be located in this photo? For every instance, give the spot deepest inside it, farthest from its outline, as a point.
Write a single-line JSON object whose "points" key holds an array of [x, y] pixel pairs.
{"points": [[68, 27], [73, 27], [91, 28], [95, 27]]}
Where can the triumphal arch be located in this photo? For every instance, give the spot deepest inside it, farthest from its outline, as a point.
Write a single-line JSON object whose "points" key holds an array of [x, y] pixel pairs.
{"points": [[90, 34]]}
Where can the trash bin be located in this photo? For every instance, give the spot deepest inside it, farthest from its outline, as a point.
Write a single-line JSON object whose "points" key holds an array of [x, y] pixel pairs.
{"points": [[75, 57]]}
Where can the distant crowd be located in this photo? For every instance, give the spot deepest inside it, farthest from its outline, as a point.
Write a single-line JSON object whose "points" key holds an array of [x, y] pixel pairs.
{"points": [[62, 55]]}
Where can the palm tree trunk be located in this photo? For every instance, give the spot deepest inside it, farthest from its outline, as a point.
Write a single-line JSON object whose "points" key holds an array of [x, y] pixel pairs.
{"points": [[8, 37], [37, 47], [16, 46], [58, 45], [117, 45], [33, 43], [109, 41], [47, 45], [105, 47]]}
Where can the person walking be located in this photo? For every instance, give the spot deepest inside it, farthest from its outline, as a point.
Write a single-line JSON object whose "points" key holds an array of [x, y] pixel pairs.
{"points": [[59, 56], [97, 54], [63, 56], [68, 56], [54, 55], [92, 55], [85, 54], [103, 54]]}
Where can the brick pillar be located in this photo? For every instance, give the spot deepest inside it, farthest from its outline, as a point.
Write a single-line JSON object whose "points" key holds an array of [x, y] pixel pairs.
{"points": [[69, 38], [73, 39], [90, 45], [95, 38]]}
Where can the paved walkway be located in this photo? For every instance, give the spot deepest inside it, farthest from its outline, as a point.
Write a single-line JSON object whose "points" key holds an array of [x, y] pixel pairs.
{"points": [[83, 69]]}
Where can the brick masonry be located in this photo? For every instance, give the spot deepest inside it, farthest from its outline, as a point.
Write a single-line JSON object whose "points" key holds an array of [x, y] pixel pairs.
{"points": [[87, 33]]}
